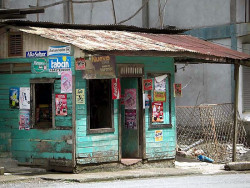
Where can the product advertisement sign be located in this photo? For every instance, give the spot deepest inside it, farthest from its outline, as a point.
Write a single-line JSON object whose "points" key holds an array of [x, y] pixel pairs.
{"points": [[24, 120], [36, 54], [66, 82], [147, 84], [130, 98], [14, 97], [158, 135], [159, 96], [116, 88], [160, 83], [40, 65], [98, 67], [157, 115], [80, 96], [177, 90], [130, 119], [24, 98], [59, 50], [80, 64], [61, 104], [59, 64]]}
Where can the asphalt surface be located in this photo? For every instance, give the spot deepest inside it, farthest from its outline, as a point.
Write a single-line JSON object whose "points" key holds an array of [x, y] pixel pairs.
{"points": [[214, 181]]}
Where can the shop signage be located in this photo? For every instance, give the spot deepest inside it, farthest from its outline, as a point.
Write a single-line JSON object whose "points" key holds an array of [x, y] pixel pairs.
{"points": [[36, 54], [59, 64], [24, 120], [130, 119], [59, 50], [158, 135], [61, 104], [24, 98], [157, 115], [80, 96], [14, 97], [80, 64], [116, 88], [100, 67], [177, 90], [159, 96], [66, 82], [40, 65], [147, 84]]}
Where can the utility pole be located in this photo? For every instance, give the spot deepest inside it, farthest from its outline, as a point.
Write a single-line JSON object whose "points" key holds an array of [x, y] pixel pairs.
{"points": [[145, 14], [66, 8]]}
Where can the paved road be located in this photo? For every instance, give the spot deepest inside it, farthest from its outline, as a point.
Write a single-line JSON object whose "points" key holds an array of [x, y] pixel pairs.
{"points": [[214, 181]]}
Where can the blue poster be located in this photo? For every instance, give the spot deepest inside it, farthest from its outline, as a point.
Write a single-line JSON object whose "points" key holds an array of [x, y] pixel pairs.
{"points": [[14, 97], [58, 64], [36, 54]]}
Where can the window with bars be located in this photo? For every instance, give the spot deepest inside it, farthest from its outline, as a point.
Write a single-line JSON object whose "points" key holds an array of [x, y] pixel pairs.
{"points": [[15, 44]]}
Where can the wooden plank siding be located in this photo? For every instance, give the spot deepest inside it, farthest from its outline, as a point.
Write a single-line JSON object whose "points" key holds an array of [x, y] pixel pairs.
{"points": [[93, 148], [30, 146], [166, 148]]}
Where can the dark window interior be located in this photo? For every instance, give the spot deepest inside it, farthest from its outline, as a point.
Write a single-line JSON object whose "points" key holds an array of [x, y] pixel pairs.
{"points": [[100, 104], [43, 103]]}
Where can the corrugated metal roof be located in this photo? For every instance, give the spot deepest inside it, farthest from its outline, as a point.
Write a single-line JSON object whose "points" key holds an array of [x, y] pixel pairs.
{"points": [[138, 43]]}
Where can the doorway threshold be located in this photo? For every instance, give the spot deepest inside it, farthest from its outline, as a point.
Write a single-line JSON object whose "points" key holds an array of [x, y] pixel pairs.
{"points": [[130, 161]]}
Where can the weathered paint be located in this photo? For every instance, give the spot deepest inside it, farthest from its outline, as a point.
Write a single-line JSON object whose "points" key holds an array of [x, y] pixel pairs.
{"points": [[34, 145]]}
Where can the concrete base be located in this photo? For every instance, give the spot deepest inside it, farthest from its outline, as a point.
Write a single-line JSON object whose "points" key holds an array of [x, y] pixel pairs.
{"points": [[1, 170], [238, 166]]}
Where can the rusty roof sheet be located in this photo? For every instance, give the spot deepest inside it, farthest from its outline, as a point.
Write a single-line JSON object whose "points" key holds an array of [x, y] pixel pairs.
{"points": [[130, 42]]}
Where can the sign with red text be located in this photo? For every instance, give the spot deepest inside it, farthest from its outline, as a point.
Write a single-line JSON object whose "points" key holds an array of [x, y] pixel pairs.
{"points": [[147, 84]]}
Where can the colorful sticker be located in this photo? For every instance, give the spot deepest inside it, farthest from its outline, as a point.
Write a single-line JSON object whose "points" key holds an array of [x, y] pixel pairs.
{"points": [[130, 99], [157, 115], [159, 96], [24, 120], [158, 135], [24, 98], [80, 63], [130, 119], [14, 97], [116, 88], [61, 104], [80, 96], [177, 90], [66, 82], [147, 84]]}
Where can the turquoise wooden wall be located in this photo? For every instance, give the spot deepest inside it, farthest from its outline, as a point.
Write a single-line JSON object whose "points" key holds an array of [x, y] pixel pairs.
{"points": [[94, 148], [164, 149], [34, 145]]}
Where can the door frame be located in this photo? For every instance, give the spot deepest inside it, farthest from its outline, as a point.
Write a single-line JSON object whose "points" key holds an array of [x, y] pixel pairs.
{"points": [[142, 143]]}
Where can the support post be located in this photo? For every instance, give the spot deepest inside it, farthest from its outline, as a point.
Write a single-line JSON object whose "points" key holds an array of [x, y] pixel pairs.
{"points": [[113, 8], [235, 129]]}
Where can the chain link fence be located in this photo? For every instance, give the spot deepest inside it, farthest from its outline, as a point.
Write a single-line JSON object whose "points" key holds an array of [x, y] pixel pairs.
{"points": [[208, 130]]}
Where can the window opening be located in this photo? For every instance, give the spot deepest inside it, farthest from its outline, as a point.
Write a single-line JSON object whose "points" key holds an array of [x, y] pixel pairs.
{"points": [[15, 47]]}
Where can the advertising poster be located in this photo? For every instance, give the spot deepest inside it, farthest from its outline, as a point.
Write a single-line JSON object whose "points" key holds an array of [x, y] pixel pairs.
{"points": [[59, 64], [98, 67], [24, 120], [158, 135], [80, 96], [59, 50], [66, 82], [116, 88], [61, 104], [40, 65], [14, 97], [36, 54], [130, 119], [160, 83], [177, 90], [157, 115], [24, 98], [130, 98], [147, 84], [159, 96], [80, 64]]}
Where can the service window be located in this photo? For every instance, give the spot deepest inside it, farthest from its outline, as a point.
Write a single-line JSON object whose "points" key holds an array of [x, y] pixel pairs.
{"points": [[160, 103], [100, 106], [42, 103]]}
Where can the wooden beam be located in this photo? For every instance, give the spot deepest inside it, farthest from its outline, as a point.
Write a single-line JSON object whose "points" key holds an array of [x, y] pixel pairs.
{"points": [[12, 16], [235, 128]]}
